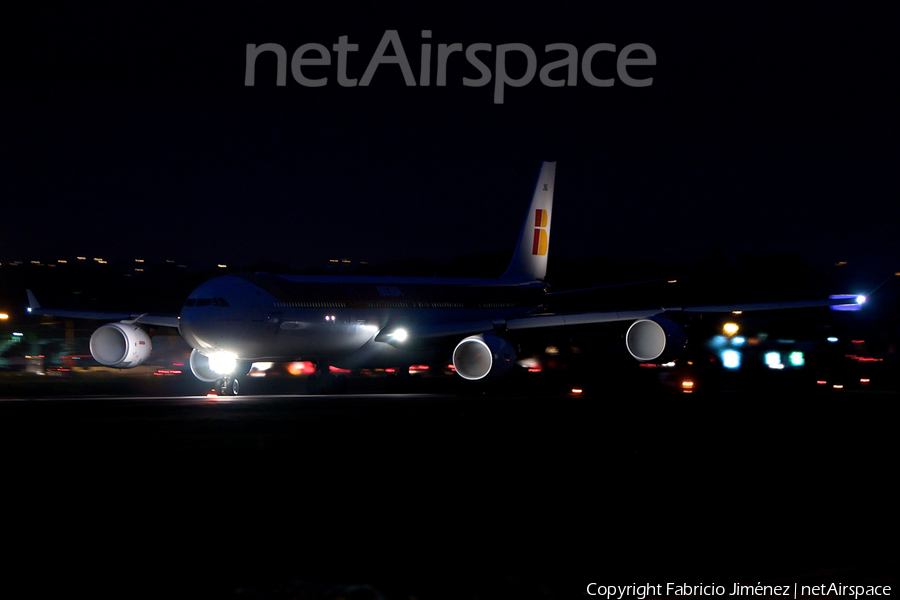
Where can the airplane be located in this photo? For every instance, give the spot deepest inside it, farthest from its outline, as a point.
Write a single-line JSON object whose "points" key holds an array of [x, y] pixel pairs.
{"points": [[381, 322]]}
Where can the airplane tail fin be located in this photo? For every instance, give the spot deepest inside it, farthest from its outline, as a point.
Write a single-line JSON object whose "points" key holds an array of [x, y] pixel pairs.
{"points": [[530, 259]]}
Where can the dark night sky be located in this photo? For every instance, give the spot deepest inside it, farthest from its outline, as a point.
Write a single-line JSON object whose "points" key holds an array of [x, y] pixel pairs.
{"points": [[129, 133]]}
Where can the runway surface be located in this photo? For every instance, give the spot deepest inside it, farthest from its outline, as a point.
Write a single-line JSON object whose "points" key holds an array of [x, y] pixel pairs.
{"points": [[443, 496]]}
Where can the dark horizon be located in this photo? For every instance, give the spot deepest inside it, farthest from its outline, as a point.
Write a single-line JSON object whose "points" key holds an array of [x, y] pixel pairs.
{"points": [[130, 134]]}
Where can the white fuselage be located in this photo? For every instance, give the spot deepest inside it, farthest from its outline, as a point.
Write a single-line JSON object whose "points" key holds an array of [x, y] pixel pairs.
{"points": [[336, 320]]}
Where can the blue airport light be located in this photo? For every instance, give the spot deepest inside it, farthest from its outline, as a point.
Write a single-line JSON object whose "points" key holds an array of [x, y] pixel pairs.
{"points": [[731, 359], [796, 359], [718, 341], [773, 360]]}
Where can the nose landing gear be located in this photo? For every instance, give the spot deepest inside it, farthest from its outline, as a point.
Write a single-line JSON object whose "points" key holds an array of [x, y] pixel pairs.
{"points": [[228, 386]]}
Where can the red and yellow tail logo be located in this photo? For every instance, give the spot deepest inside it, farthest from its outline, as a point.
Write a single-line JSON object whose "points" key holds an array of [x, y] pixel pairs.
{"points": [[540, 232]]}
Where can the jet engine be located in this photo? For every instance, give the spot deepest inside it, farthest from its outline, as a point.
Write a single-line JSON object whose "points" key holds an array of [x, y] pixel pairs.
{"points": [[120, 345], [201, 369], [480, 356], [656, 339]]}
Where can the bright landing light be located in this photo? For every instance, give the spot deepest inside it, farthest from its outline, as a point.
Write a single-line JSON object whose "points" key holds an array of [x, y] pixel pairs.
{"points": [[400, 335], [223, 363], [731, 359]]}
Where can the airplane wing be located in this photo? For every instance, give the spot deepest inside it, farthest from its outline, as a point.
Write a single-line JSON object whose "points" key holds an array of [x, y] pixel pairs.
{"points": [[160, 320], [414, 332]]}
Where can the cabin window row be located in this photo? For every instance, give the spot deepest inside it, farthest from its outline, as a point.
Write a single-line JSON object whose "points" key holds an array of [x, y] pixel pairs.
{"points": [[310, 305]]}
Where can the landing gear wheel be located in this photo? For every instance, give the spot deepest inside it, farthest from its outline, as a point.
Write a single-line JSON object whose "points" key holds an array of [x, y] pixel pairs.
{"points": [[228, 386]]}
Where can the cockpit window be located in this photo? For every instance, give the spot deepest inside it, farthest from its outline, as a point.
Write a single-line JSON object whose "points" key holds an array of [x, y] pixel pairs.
{"points": [[190, 302], [203, 302], [222, 302], [215, 302]]}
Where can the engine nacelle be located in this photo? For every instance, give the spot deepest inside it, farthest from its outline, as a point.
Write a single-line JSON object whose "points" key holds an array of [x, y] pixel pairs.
{"points": [[480, 356], [120, 345], [201, 369], [656, 339]]}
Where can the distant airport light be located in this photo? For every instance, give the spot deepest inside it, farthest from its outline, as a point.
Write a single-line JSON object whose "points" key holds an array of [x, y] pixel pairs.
{"points": [[400, 335], [577, 391], [687, 384], [3, 316], [222, 266], [81, 257], [738, 341], [301, 368], [223, 363], [796, 359], [731, 359], [865, 381], [832, 339], [718, 341], [860, 299], [730, 328], [18, 334], [821, 382], [773, 360], [837, 386]]}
